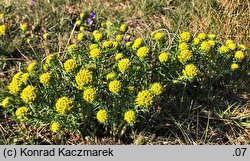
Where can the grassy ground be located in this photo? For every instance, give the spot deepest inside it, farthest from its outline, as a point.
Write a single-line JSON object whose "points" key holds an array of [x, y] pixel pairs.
{"points": [[218, 116]]}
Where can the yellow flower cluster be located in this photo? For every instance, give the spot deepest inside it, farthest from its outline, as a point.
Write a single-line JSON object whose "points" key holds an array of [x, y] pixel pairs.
{"points": [[93, 46], [102, 116], [130, 116], [242, 47], [32, 66], [15, 85], [80, 36], [123, 28], [137, 43], [118, 38], [156, 89], [97, 36], [118, 56], [239, 55], [21, 113], [89, 94], [223, 49], [142, 52], [23, 27], [202, 36], [234, 66], [183, 46], [83, 77], [48, 62], [196, 41], [2, 30], [144, 99], [78, 22], [70, 65], [158, 36], [115, 86], [45, 36], [163, 57], [6, 102], [24, 77], [190, 71], [55, 127], [205, 46], [123, 65], [29, 94], [45, 78], [71, 48], [64, 105], [95, 53], [185, 37], [110, 76], [185, 56], [211, 36]]}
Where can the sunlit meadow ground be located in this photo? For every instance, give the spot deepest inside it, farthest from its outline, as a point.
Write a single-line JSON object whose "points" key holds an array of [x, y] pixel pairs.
{"points": [[229, 19]]}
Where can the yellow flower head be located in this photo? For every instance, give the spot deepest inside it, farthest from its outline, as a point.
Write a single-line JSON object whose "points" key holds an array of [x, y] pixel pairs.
{"points": [[110, 76], [21, 113], [6, 102], [83, 77], [234, 66], [211, 36], [64, 105], [118, 56], [114, 44], [158, 36], [107, 44], [70, 65], [223, 49], [190, 71], [185, 55], [93, 46], [123, 28], [32, 66], [98, 37], [242, 47], [137, 43], [81, 28], [205, 46], [124, 65], [231, 46], [118, 38], [23, 27], [156, 89], [239, 55], [29, 94], [80, 36], [163, 57], [115, 86], [71, 48], [45, 78], [81, 15], [144, 99], [202, 36], [183, 46], [185, 37], [229, 41], [15, 87], [102, 116], [24, 77], [89, 94], [1, 15], [130, 116], [78, 22], [142, 52], [45, 36], [95, 53], [2, 30], [196, 41], [55, 127]]}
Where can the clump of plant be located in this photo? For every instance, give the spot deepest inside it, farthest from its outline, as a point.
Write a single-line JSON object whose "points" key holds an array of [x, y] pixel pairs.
{"points": [[109, 83]]}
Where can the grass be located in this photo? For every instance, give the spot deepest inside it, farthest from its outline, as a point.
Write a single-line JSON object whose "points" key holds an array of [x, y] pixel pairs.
{"points": [[213, 116]]}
